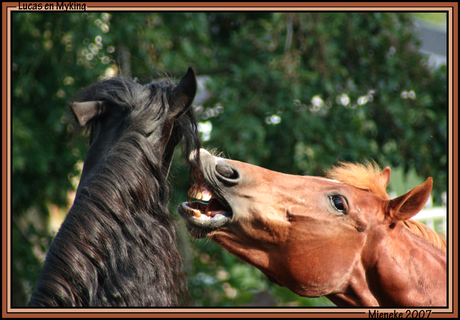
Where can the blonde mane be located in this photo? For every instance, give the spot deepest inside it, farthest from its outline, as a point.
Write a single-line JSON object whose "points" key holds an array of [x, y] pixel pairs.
{"points": [[426, 232], [368, 176], [365, 176]]}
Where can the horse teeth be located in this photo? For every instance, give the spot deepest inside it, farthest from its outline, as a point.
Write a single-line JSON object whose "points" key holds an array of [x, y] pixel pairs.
{"points": [[193, 212], [196, 213], [199, 193], [205, 195], [192, 193]]}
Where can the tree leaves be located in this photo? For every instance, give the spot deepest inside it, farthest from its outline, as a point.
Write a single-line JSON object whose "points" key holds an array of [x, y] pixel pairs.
{"points": [[294, 92]]}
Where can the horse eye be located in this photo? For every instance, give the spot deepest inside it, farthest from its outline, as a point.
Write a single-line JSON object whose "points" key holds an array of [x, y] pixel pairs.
{"points": [[339, 203]]}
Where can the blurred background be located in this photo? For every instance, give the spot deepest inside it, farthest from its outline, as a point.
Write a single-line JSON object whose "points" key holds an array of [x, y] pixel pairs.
{"points": [[292, 92]]}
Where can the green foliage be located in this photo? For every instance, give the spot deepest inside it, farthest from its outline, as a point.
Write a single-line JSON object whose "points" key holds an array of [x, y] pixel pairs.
{"points": [[339, 97], [53, 56], [294, 92]]}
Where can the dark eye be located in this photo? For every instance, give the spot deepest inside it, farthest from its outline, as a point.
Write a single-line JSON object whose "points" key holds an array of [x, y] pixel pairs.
{"points": [[339, 203]]}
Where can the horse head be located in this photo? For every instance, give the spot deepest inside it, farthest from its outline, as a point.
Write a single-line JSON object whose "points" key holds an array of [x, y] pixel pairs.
{"points": [[315, 236], [157, 111]]}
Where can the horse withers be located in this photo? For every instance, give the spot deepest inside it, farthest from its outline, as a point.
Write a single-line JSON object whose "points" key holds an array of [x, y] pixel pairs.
{"points": [[117, 245], [341, 237]]}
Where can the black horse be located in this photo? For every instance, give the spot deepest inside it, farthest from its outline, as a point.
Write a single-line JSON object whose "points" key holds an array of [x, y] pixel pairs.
{"points": [[117, 245]]}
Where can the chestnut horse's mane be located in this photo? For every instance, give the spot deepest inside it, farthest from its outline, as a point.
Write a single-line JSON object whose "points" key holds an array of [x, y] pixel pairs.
{"points": [[365, 176], [426, 232], [368, 177]]}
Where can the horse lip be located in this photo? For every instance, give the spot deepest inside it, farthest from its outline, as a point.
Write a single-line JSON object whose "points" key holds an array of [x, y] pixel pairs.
{"points": [[199, 228]]}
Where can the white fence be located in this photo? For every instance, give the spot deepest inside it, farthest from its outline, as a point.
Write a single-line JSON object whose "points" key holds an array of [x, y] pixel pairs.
{"points": [[435, 218]]}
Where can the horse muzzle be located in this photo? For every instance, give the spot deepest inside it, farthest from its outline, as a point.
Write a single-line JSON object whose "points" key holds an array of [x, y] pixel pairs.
{"points": [[209, 207]]}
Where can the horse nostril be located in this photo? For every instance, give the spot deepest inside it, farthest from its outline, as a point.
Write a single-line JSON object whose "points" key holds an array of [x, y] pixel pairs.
{"points": [[227, 172]]}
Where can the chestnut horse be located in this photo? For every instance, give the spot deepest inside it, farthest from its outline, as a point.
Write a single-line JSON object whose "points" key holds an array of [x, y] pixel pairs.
{"points": [[341, 237]]}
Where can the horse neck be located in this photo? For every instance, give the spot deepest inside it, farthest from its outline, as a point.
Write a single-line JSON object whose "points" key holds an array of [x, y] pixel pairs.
{"points": [[356, 294], [404, 269], [397, 269]]}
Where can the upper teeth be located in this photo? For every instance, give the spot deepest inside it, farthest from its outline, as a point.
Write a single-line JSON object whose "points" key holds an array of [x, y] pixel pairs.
{"points": [[199, 192]]}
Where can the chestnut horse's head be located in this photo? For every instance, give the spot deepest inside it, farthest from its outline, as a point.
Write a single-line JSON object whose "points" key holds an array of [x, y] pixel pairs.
{"points": [[312, 235]]}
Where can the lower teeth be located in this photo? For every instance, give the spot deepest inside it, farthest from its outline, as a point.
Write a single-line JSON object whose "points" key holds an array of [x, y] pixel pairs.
{"points": [[194, 212]]}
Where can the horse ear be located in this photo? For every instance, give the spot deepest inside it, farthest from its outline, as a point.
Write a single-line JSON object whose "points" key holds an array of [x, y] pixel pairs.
{"points": [[406, 206], [385, 176], [85, 111], [183, 94]]}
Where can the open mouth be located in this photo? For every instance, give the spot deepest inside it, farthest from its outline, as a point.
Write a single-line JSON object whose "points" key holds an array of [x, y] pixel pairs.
{"points": [[204, 212], [205, 206]]}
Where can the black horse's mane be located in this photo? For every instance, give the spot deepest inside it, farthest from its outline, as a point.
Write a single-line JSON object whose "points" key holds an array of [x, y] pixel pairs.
{"points": [[117, 246]]}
